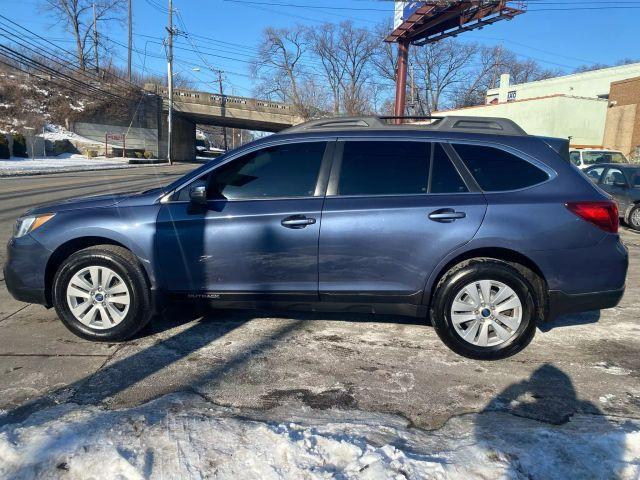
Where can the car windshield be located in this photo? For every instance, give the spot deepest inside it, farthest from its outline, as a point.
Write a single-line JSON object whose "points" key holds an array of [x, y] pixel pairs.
{"points": [[593, 157]]}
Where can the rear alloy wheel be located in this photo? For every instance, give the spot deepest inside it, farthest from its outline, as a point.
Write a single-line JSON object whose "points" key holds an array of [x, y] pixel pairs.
{"points": [[101, 293], [634, 218], [484, 309], [486, 313]]}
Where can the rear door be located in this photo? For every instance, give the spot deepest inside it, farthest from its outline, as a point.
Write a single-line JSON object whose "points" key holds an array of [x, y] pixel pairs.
{"points": [[394, 209]]}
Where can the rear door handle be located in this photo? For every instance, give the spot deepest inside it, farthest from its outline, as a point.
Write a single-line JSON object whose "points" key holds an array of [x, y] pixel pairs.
{"points": [[297, 221], [446, 215]]}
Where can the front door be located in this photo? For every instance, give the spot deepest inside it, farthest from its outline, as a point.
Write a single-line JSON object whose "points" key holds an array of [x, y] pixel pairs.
{"points": [[615, 183], [394, 209], [258, 233]]}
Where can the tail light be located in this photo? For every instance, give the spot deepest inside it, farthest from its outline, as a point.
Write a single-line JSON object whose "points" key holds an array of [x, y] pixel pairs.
{"points": [[602, 214]]}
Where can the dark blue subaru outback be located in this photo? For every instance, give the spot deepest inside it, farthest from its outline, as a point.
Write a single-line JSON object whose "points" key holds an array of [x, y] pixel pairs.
{"points": [[470, 222]]}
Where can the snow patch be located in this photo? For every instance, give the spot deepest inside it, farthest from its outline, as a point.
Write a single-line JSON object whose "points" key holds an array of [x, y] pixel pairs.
{"points": [[612, 369], [183, 436]]}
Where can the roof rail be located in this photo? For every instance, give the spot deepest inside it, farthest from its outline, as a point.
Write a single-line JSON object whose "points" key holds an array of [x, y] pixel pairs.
{"points": [[496, 126]]}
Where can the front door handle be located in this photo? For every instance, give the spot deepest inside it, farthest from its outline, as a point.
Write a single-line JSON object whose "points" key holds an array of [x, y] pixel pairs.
{"points": [[446, 215], [297, 221]]}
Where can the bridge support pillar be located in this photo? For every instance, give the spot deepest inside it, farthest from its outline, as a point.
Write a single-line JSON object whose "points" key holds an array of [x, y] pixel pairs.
{"points": [[183, 143]]}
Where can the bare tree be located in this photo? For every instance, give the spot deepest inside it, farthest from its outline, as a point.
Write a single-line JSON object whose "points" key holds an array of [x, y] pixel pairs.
{"points": [[490, 63], [324, 45], [385, 56], [355, 48], [279, 67], [78, 18], [438, 69]]}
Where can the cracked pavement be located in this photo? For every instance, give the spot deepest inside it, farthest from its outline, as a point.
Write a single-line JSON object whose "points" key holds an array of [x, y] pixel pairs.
{"points": [[282, 361]]}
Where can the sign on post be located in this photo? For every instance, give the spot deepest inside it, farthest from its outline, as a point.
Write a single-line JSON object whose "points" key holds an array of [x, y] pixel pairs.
{"points": [[111, 137]]}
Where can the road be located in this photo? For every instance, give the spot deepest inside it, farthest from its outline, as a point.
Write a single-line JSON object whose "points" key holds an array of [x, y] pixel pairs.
{"points": [[587, 363]]}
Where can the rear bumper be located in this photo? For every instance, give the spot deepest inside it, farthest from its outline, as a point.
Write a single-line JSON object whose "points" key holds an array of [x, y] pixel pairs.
{"points": [[24, 272], [561, 303]]}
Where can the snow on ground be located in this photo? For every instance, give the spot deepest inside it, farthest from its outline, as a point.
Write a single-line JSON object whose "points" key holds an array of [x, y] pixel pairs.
{"points": [[58, 132], [183, 436], [66, 162]]}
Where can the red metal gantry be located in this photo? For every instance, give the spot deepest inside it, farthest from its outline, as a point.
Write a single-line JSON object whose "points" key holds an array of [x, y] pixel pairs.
{"points": [[430, 21]]}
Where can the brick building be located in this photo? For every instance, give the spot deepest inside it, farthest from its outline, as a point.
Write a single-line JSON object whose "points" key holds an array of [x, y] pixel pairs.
{"points": [[622, 128]]}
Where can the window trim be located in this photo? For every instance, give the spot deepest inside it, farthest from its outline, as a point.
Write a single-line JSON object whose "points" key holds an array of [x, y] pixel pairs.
{"points": [[321, 179], [334, 177], [551, 173]]}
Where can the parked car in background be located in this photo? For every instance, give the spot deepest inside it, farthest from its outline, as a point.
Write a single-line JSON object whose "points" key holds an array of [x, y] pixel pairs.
{"points": [[622, 182], [467, 221], [583, 158]]}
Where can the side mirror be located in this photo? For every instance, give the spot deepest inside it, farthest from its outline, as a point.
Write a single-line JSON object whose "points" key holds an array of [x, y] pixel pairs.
{"points": [[198, 195]]}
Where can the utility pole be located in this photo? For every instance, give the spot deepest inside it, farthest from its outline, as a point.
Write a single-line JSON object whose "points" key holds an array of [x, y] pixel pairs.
{"points": [[170, 81], [95, 38], [130, 40], [223, 108]]}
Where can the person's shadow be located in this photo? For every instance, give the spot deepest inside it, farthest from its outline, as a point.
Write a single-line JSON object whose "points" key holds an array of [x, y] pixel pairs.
{"points": [[592, 448]]}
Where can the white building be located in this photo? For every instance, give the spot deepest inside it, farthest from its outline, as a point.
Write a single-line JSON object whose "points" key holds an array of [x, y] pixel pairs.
{"points": [[595, 84], [572, 106]]}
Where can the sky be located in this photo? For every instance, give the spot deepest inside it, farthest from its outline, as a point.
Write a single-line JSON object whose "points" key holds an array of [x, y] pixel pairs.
{"points": [[227, 32]]}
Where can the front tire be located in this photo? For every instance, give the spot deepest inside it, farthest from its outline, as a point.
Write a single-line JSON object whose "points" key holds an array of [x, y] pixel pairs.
{"points": [[100, 293], [484, 309]]}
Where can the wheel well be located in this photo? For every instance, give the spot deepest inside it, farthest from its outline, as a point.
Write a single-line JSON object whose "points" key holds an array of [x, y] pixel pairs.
{"points": [[520, 262], [64, 251]]}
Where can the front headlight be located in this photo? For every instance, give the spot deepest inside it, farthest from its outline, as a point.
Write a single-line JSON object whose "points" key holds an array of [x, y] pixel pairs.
{"points": [[28, 224]]}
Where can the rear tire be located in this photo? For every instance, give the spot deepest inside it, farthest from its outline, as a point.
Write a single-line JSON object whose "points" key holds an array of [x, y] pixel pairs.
{"points": [[101, 293], [634, 218], [484, 328]]}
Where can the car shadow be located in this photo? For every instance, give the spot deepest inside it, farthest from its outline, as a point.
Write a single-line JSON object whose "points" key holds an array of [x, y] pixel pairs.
{"points": [[571, 320]]}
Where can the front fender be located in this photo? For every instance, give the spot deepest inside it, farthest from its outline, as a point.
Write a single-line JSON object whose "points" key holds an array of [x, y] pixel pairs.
{"points": [[132, 227]]}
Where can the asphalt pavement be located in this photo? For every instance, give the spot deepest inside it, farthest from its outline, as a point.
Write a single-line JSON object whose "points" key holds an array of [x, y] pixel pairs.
{"points": [[271, 361]]}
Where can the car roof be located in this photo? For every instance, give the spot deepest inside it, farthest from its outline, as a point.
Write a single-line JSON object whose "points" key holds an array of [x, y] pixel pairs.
{"points": [[466, 124], [625, 166]]}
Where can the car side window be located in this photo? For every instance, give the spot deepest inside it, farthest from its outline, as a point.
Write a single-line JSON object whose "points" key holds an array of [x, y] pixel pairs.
{"points": [[575, 158], [614, 176], [384, 168], [594, 174], [496, 170], [281, 171], [444, 176]]}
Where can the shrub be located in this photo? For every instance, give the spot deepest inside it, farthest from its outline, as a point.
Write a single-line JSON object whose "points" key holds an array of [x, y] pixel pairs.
{"points": [[4, 146], [19, 145], [138, 154], [148, 155], [91, 153]]}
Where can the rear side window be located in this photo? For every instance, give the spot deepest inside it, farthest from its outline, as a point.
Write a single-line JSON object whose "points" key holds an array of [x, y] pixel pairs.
{"points": [[595, 173], [496, 170], [444, 176], [384, 168]]}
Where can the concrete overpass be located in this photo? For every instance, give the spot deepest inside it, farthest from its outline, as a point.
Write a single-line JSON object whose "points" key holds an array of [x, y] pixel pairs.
{"points": [[205, 108]]}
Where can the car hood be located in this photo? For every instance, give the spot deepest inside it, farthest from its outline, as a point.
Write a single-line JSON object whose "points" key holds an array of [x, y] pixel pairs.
{"points": [[96, 201]]}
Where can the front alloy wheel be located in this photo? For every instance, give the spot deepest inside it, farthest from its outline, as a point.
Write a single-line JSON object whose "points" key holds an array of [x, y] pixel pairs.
{"points": [[102, 293], [98, 297]]}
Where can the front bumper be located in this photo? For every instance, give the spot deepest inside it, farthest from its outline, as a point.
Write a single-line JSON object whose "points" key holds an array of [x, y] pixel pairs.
{"points": [[24, 271], [561, 303]]}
